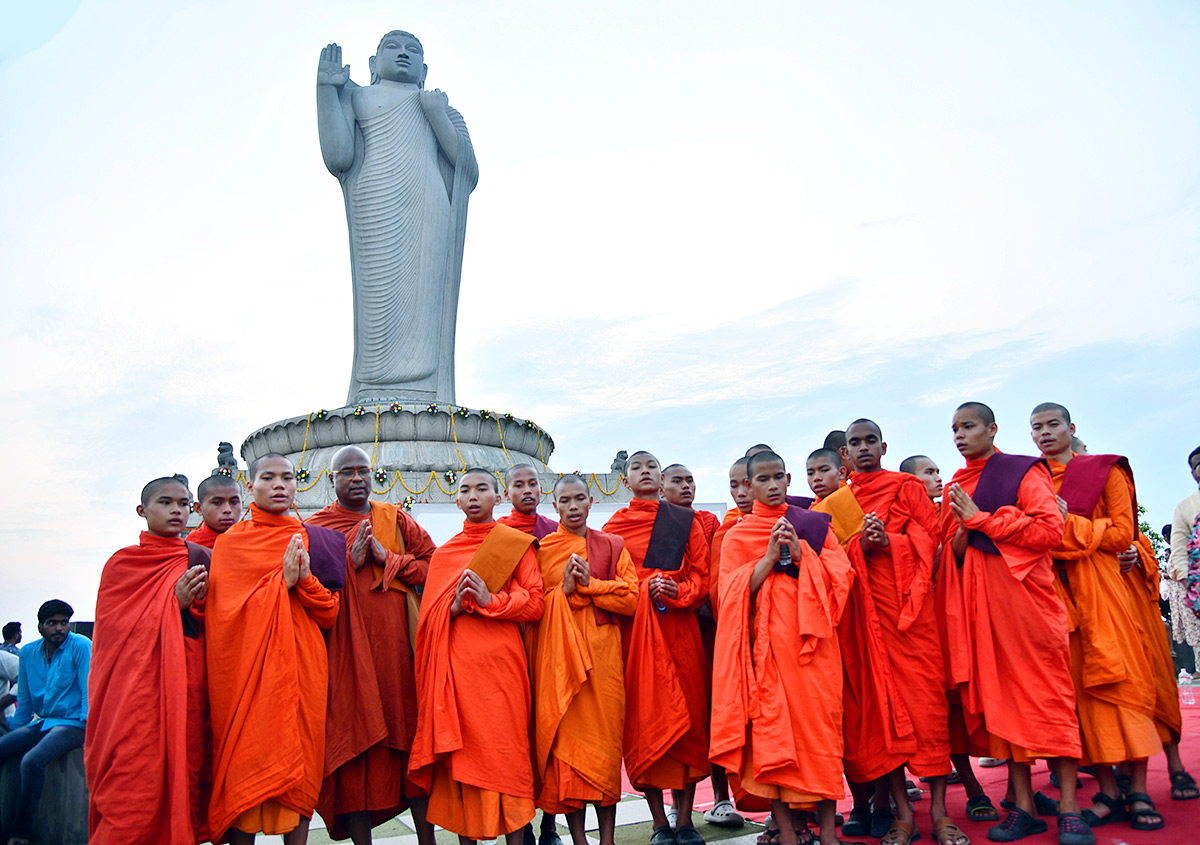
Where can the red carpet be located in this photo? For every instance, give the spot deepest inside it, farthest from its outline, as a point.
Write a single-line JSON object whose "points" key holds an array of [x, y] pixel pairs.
{"points": [[1182, 817]]}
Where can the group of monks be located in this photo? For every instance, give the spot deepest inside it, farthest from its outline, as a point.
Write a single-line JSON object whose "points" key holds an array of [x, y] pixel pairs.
{"points": [[265, 668]]}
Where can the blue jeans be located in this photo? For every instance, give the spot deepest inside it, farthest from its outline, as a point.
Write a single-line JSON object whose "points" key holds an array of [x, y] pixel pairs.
{"points": [[36, 748]]}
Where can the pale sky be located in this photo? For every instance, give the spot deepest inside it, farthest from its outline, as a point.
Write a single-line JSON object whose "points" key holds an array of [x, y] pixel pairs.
{"points": [[697, 227]]}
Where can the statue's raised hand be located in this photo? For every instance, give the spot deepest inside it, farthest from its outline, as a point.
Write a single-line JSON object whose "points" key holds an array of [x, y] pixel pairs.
{"points": [[330, 70], [435, 101]]}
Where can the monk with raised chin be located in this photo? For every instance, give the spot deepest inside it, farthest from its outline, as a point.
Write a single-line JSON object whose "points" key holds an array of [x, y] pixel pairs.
{"points": [[372, 709], [1004, 627], [927, 471], [219, 503], [778, 633], [894, 648], [1114, 687], [471, 749], [271, 593], [576, 665], [524, 490], [666, 742], [148, 776], [679, 488]]}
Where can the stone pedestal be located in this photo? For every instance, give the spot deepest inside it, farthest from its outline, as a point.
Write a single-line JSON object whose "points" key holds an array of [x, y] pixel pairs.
{"points": [[62, 814]]}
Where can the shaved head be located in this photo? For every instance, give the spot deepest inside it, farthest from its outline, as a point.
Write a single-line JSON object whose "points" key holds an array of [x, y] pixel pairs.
{"points": [[268, 456], [909, 464], [348, 455], [642, 453], [1052, 408], [831, 454], [567, 480], [480, 471], [514, 469], [213, 483], [860, 422], [740, 462], [760, 458], [673, 466], [758, 447], [834, 440], [978, 410], [157, 484]]}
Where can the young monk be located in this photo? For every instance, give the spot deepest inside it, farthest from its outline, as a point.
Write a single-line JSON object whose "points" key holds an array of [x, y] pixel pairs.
{"points": [[147, 737], [777, 633], [666, 744], [271, 592], [1114, 687], [524, 490], [927, 471], [896, 712], [372, 705], [824, 473], [679, 488], [219, 503], [1004, 628], [576, 665], [471, 749], [799, 501]]}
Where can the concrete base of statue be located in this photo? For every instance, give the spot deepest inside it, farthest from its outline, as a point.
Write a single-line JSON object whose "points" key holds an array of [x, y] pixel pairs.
{"points": [[417, 454]]}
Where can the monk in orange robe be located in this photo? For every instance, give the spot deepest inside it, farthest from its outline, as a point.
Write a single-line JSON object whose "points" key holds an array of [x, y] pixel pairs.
{"points": [[777, 633], [269, 597], [145, 755], [928, 473], [896, 712], [471, 749], [523, 488], [576, 665], [1139, 566], [666, 742], [1111, 668], [1004, 627], [372, 707], [679, 488], [219, 503]]}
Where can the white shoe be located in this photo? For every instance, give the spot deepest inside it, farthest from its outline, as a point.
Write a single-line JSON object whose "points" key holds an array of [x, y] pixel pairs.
{"points": [[724, 814], [991, 762], [672, 817]]}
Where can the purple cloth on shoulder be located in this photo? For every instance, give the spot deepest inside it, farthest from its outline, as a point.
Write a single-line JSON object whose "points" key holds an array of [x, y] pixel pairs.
{"points": [[805, 502], [1084, 479], [543, 526], [998, 485], [811, 527], [327, 555]]}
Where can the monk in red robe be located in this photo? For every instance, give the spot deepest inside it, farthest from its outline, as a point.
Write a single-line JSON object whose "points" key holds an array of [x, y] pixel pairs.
{"points": [[576, 665], [147, 738], [1111, 668], [666, 742], [269, 598], [524, 490], [928, 473], [219, 503], [679, 488], [777, 633], [372, 707], [896, 710], [471, 749], [1004, 627]]}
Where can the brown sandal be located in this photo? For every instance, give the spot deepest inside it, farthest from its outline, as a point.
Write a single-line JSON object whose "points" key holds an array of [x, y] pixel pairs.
{"points": [[900, 833], [946, 832]]}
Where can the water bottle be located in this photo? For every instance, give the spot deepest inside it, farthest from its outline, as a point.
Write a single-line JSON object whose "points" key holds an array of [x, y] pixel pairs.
{"points": [[659, 604], [1186, 696], [785, 555]]}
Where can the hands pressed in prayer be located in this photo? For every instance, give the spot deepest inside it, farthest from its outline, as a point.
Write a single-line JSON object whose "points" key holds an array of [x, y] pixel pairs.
{"points": [[874, 534], [469, 584], [575, 574], [192, 585], [961, 504], [296, 565]]}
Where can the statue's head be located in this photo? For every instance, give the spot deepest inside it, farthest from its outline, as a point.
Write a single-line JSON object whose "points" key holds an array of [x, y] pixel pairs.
{"points": [[400, 58]]}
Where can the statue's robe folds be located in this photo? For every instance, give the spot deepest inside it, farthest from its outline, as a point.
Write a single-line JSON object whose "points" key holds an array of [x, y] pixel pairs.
{"points": [[578, 672], [471, 749], [773, 743], [1111, 668], [895, 697], [372, 707], [1142, 583], [147, 750], [406, 207], [1004, 627], [666, 739], [267, 673]]}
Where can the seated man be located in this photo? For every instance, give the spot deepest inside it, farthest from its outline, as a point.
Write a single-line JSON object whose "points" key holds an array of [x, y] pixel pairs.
{"points": [[576, 665], [776, 633], [149, 651], [270, 596], [219, 503], [471, 749], [52, 707]]}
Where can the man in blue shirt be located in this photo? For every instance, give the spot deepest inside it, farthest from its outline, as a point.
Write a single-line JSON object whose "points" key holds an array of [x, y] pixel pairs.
{"points": [[51, 707]]}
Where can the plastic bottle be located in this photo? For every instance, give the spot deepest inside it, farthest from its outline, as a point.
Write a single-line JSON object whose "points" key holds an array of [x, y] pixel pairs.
{"points": [[659, 604], [1186, 696]]}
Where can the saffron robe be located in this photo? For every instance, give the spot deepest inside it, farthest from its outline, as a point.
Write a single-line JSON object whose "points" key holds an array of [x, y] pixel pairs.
{"points": [[709, 522], [266, 658], [536, 524], [471, 748], [666, 741], [1114, 688], [372, 703], [203, 536], [1004, 627], [895, 700], [785, 638], [146, 752], [1142, 582], [578, 673]]}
